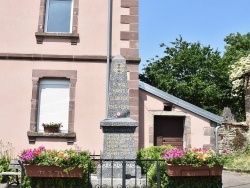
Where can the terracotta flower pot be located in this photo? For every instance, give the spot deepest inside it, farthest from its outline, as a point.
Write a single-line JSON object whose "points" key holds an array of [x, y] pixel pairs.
{"points": [[189, 170], [52, 171], [51, 129]]}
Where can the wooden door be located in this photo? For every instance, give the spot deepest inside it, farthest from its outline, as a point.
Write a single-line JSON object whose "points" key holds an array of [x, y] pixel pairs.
{"points": [[168, 130]]}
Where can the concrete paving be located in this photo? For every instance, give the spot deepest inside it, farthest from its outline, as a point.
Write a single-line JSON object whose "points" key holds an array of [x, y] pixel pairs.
{"points": [[235, 180], [229, 179]]}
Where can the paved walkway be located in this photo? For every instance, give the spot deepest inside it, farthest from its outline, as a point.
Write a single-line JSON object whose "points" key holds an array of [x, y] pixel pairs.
{"points": [[229, 179], [235, 180]]}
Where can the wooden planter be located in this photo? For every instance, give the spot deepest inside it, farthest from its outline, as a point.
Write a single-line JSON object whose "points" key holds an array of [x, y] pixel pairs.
{"points": [[52, 171], [51, 129], [189, 170]]}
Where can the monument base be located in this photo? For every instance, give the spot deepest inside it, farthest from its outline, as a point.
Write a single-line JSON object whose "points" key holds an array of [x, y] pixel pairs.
{"points": [[117, 182], [119, 138], [116, 170]]}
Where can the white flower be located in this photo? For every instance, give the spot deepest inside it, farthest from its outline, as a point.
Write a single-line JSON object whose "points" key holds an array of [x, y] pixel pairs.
{"points": [[238, 69]]}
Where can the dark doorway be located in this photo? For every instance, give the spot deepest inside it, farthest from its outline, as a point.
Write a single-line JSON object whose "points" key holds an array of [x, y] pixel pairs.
{"points": [[169, 130]]}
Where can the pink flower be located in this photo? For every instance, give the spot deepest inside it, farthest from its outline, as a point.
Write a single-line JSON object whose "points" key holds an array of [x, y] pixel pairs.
{"points": [[174, 153]]}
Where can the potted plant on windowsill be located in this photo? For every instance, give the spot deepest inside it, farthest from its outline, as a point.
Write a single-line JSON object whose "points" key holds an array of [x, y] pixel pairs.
{"points": [[194, 162], [40, 162], [52, 127]]}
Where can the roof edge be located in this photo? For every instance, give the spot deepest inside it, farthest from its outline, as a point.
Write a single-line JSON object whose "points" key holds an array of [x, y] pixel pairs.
{"points": [[179, 102]]}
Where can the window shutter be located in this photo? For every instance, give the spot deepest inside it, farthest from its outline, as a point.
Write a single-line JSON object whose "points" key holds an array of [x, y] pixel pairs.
{"points": [[53, 103]]}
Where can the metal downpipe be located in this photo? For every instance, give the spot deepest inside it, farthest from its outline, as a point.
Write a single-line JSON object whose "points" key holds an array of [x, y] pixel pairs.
{"points": [[109, 41], [216, 138]]}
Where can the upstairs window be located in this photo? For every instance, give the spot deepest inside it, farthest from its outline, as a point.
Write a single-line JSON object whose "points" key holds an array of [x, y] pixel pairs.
{"points": [[58, 19], [58, 16]]}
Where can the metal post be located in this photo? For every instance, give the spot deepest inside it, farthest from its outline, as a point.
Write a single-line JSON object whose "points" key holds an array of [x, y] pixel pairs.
{"points": [[146, 173], [216, 139], [158, 175], [135, 175], [89, 174], [101, 172], [112, 172], [109, 41], [123, 173]]}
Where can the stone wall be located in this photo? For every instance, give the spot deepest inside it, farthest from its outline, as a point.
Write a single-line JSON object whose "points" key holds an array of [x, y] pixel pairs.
{"points": [[210, 132], [227, 134]]}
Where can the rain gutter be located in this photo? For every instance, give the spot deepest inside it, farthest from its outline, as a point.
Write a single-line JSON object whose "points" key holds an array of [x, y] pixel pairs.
{"points": [[109, 48]]}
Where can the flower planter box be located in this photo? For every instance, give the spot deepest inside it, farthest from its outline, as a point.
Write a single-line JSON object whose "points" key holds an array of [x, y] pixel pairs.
{"points": [[51, 129], [189, 170], [52, 171]]}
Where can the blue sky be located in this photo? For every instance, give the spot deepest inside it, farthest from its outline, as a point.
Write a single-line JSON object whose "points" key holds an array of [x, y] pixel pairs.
{"points": [[206, 21]]}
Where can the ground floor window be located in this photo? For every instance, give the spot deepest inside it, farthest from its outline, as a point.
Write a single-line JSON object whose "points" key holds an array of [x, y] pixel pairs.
{"points": [[53, 103], [53, 100]]}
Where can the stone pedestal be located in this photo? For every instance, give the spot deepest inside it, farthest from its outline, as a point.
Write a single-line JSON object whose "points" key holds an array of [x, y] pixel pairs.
{"points": [[119, 138], [119, 144]]}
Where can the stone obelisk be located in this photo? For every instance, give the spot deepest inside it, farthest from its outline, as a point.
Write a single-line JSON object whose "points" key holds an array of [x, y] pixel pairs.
{"points": [[119, 128]]}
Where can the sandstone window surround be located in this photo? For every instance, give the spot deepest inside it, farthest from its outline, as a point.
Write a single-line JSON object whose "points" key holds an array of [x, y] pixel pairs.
{"points": [[37, 75], [44, 32]]}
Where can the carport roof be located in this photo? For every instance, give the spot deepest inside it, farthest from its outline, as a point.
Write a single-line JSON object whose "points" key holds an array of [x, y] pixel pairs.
{"points": [[180, 102]]}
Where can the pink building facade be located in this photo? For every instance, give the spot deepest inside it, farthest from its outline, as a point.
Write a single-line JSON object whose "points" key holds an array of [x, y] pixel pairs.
{"points": [[56, 72], [36, 45]]}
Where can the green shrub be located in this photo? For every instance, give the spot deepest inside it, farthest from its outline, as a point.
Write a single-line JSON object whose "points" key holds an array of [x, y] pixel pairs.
{"points": [[6, 154], [195, 182], [152, 152], [29, 182], [4, 166], [247, 150], [150, 167], [152, 175], [239, 141], [57, 182]]}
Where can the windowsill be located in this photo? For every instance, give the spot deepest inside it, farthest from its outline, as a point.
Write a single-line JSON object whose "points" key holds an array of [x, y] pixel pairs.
{"points": [[71, 36], [69, 136]]}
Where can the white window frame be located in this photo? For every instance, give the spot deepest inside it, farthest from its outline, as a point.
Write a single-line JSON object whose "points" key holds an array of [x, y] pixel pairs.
{"points": [[47, 14]]}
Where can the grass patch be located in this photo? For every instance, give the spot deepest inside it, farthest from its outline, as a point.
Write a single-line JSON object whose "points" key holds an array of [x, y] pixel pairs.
{"points": [[239, 161]]}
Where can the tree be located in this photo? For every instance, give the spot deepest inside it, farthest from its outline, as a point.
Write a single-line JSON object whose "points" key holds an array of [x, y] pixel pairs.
{"points": [[239, 75], [237, 47], [192, 72]]}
